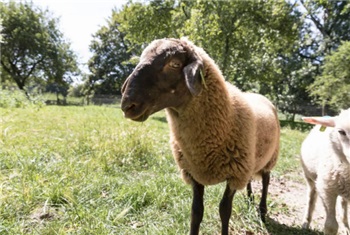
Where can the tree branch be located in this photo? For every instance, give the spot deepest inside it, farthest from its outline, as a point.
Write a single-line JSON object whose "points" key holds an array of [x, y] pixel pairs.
{"points": [[33, 67], [309, 57], [317, 23]]}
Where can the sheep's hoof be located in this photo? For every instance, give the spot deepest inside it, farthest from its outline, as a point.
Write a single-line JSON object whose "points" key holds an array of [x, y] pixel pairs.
{"points": [[347, 230], [263, 216], [306, 225], [331, 231], [262, 213]]}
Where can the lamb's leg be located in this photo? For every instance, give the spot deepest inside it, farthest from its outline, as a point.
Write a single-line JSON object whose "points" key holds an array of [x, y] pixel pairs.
{"points": [[329, 202], [311, 202], [265, 186], [344, 215], [226, 209], [197, 207]]}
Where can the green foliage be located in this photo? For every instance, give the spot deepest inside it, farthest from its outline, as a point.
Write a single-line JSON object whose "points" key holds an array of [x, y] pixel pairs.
{"points": [[33, 50], [0, 30], [18, 99], [142, 23], [326, 25], [245, 38], [87, 170], [331, 23], [275, 47], [333, 85], [76, 91], [272, 47], [290, 91], [111, 62], [248, 40]]}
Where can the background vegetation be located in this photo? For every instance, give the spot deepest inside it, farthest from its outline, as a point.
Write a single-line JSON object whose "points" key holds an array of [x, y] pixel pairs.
{"points": [[295, 52]]}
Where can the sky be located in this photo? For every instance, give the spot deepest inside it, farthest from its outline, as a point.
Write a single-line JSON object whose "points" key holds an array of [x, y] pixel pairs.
{"points": [[79, 19]]}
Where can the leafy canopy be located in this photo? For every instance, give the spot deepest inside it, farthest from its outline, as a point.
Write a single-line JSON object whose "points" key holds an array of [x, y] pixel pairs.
{"points": [[34, 51], [333, 85], [111, 61]]}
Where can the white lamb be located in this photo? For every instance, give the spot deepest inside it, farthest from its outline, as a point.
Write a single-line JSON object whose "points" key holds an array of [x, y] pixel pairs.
{"points": [[325, 157]]}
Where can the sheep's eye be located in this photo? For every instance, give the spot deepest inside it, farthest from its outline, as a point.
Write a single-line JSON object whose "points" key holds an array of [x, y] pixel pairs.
{"points": [[341, 132], [175, 63]]}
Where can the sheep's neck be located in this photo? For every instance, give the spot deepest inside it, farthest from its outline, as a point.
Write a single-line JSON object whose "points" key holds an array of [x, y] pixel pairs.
{"points": [[207, 116]]}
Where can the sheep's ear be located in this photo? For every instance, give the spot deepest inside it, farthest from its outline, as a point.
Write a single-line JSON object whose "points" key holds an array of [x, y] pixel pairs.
{"points": [[193, 76], [324, 121], [125, 84]]}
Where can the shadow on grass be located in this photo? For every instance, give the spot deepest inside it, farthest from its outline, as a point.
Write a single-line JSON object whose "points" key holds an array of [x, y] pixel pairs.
{"points": [[161, 119], [79, 103], [275, 228], [63, 103]]}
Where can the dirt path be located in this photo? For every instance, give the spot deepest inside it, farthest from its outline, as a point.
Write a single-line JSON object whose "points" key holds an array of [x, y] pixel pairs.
{"points": [[293, 195]]}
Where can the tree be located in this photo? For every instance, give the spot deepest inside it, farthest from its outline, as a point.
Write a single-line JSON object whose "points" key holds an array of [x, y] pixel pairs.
{"points": [[330, 21], [0, 30], [245, 38], [253, 42], [111, 62], [327, 24], [333, 85], [142, 23], [260, 46], [33, 49]]}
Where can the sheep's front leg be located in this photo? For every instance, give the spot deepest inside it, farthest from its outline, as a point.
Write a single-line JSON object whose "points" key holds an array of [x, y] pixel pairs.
{"points": [[197, 207], [344, 215], [311, 201], [226, 209], [265, 187]]}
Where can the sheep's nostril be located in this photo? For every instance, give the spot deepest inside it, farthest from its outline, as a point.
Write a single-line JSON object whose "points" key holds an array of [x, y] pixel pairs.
{"points": [[129, 107]]}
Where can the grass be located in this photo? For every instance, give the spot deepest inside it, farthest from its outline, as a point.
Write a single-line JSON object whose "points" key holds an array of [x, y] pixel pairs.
{"points": [[87, 170]]}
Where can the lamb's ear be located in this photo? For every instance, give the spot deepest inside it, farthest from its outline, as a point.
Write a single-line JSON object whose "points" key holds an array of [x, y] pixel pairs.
{"points": [[324, 121], [193, 75]]}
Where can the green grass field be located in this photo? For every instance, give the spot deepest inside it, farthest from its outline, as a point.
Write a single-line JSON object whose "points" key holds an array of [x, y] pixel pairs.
{"points": [[87, 170]]}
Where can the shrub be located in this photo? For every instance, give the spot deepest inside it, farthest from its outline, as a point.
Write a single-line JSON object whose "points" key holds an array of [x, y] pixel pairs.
{"points": [[18, 99]]}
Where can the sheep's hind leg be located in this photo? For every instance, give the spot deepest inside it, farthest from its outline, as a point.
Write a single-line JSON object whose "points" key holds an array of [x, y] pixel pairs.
{"points": [[226, 209], [311, 201], [197, 207], [250, 192], [265, 185]]}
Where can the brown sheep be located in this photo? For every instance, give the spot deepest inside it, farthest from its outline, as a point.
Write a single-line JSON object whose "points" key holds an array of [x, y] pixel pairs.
{"points": [[218, 133]]}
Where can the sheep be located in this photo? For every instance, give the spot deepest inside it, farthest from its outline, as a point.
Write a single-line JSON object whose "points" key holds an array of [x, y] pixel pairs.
{"points": [[217, 132], [325, 157]]}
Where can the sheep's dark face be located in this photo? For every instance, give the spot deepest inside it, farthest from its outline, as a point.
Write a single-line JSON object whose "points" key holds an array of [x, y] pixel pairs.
{"points": [[166, 77]]}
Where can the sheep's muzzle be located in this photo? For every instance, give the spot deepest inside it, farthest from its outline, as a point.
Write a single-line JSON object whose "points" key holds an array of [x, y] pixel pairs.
{"points": [[134, 110]]}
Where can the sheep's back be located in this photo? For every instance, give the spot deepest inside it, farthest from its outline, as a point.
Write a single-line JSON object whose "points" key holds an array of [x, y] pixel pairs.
{"points": [[267, 131], [315, 150]]}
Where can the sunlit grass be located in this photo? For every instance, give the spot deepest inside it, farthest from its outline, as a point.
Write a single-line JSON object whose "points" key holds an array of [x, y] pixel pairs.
{"points": [[288, 164], [87, 170]]}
